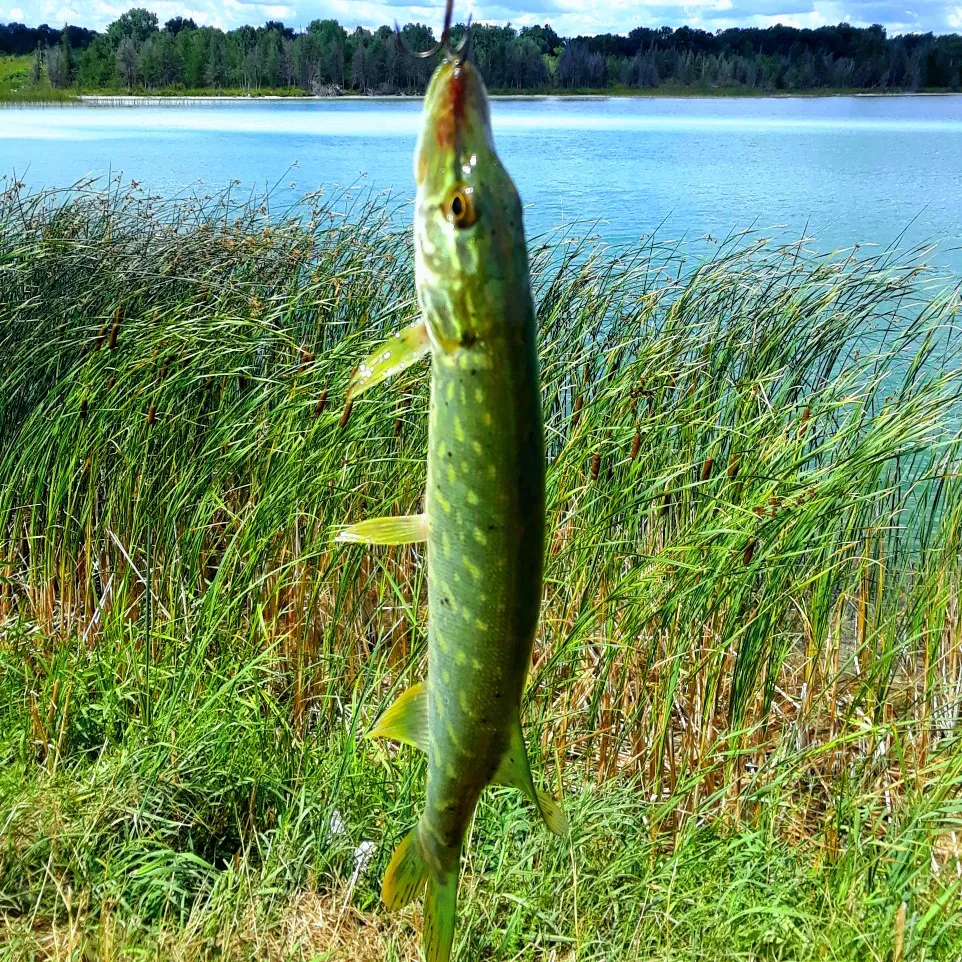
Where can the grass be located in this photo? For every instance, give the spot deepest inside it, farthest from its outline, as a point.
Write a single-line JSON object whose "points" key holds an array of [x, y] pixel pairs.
{"points": [[15, 86], [747, 680]]}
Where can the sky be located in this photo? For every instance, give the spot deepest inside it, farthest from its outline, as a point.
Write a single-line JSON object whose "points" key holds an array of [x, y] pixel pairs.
{"points": [[568, 17]]}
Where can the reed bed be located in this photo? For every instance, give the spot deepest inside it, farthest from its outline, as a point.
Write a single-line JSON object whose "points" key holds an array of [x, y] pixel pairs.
{"points": [[750, 645]]}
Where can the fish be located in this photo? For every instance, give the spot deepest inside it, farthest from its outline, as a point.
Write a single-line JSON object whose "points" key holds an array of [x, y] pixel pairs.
{"points": [[483, 513]]}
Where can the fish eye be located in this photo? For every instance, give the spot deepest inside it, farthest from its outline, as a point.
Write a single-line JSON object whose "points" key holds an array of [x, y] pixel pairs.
{"points": [[459, 207]]}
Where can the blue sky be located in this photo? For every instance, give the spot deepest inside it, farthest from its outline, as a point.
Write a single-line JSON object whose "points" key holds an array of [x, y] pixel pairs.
{"points": [[566, 16]]}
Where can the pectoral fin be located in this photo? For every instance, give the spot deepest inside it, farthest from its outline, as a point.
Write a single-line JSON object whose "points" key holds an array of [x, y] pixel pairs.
{"points": [[395, 354], [404, 529], [406, 720], [515, 772]]}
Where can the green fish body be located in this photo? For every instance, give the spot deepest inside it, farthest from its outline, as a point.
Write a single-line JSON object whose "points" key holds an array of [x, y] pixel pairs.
{"points": [[484, 503]]}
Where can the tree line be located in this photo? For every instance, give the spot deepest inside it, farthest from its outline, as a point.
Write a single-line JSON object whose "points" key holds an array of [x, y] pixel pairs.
{"points": [[136, 53]]}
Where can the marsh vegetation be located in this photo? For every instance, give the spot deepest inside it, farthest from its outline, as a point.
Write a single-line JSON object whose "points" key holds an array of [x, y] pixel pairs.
{"points": [[748, 678]]}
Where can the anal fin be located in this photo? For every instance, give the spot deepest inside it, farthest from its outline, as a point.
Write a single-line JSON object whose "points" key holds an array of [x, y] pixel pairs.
{"points": [[406, 720], [403, 529], [515, 772]]}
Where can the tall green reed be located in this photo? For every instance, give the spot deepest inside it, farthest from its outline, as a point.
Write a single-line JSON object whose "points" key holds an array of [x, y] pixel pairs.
{"points": [[754, 502]]}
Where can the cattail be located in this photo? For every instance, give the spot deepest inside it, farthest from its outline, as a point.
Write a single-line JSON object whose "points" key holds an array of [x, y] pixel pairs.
{"points": [[307, 358], [152, 413], [321, 403], [347, 413], [576, 414], [163, 369], [899, 940], [114, 331], [100, 338], [635, 445], [83, 410], [706, 468], [397, 427], [595, 465], [805, 416], [111, 381], [749, 552], [733, 463]]}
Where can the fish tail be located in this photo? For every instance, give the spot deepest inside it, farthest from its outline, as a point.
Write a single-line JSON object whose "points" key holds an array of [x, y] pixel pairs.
{"points": [[404, 880], [440, 906]]}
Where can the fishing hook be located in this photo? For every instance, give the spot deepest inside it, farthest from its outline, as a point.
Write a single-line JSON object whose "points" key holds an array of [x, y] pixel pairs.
{"points": [[461, 51]]}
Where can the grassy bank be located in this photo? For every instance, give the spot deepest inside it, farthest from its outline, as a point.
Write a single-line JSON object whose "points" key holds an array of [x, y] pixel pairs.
{"points": [[747, 683]]}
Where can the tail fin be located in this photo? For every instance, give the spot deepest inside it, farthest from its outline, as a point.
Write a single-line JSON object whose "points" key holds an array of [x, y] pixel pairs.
{"points": [[440, 906], [407, 873], [403, 882]]}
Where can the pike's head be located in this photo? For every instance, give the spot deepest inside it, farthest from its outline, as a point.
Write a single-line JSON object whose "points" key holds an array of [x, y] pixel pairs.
{"points": [[472, 268]]}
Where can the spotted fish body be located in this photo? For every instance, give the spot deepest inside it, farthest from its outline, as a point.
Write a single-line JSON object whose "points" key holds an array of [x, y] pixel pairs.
{"points": [[484, 502]]}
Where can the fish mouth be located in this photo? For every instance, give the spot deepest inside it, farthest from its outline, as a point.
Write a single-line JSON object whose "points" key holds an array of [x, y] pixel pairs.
{"points": [[457, 123]]}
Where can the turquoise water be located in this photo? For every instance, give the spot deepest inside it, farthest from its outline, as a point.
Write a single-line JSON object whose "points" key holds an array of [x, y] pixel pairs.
{"points": [[848, 170]]}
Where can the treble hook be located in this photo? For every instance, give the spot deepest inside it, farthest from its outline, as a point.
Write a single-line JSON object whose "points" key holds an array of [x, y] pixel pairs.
{"points": [[460, 51]]}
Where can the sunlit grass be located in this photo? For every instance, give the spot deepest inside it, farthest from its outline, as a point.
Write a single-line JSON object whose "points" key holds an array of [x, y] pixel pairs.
{"points": [[748, 678]]}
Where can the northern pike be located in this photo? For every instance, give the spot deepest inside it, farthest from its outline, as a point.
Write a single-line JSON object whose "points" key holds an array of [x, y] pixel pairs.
{"points": [[484, 506]]}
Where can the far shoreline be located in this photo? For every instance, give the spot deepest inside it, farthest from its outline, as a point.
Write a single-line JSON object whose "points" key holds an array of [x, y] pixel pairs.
{"points": [[150, 99], [120, 98]]}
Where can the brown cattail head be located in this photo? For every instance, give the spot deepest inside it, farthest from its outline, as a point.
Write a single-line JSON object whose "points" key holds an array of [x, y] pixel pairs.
{"points": [[576, 413], [100, 338], [635, 445], [307, 358], [152, 413], [749, 552], [111, 381], [733, 463], [595, 465], [83, 410], [114, 331], [806, 414], [321, 402], [706, 468], [347, 413]]}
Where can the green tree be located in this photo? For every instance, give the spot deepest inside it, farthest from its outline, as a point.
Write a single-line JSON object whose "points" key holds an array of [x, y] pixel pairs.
{"points": [[36, 67], [97, 65], [216, 71], [128, 61], [137, 23]]}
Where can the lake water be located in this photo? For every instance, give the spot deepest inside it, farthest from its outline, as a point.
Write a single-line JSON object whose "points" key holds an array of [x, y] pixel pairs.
{"points": [[848, 170]]}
